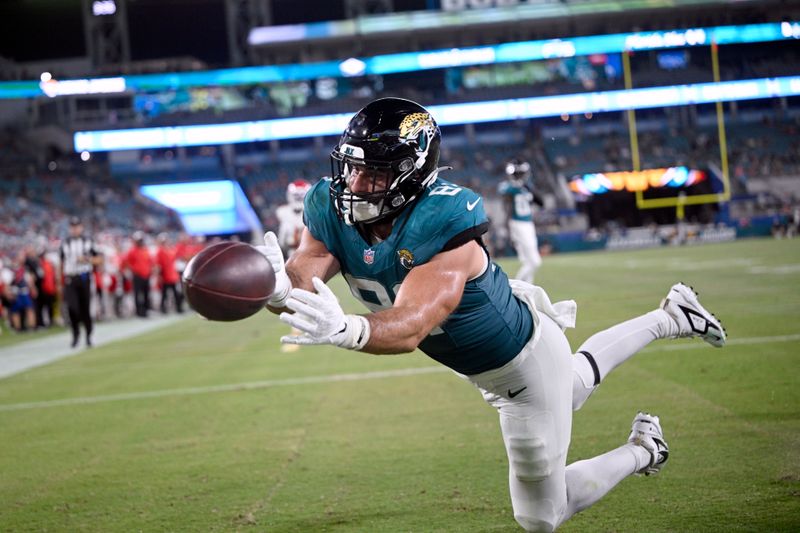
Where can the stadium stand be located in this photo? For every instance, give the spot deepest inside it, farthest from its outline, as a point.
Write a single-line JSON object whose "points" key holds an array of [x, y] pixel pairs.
{"points": [[43, 182]]}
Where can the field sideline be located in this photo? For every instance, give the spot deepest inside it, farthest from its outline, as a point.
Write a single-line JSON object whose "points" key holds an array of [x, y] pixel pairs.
{"points": [[205, 426]]}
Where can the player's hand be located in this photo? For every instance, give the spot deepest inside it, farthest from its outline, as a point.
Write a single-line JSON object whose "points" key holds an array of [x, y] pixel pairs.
{"points": [[322, 320], [272, 251]]}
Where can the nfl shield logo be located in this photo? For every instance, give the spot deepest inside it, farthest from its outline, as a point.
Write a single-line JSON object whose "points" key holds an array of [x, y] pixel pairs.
{"points": [[369, 256]]}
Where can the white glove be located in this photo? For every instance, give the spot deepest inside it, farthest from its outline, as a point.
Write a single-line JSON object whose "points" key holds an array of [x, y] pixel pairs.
{"points": [[322, 321], [272, 251]]}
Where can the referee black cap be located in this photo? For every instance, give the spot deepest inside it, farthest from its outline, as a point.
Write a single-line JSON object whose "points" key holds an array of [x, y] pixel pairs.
{"points": [[74, 221]]}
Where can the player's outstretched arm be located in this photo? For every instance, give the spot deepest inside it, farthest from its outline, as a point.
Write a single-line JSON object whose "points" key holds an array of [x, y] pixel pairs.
{"points": [[428, 295]]}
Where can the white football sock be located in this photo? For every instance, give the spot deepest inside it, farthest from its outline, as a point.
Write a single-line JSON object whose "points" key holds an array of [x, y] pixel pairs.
{"points": [[590, 480], [606, 350]]}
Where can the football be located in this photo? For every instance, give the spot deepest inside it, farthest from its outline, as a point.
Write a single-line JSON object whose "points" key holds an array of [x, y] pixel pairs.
{"points": [[228, 281]]}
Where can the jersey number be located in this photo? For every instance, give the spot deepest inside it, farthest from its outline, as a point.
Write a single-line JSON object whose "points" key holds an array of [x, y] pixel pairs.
{"points": [[445, 190], [522, 204], [361, 287]]}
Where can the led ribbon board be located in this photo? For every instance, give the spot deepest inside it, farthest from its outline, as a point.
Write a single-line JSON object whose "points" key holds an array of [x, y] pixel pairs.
{"points": [[414, 61], [445, 115]]}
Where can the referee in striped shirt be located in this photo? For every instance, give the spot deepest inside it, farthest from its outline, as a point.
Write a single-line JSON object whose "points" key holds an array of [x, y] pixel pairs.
{"points": [[78, 258]]}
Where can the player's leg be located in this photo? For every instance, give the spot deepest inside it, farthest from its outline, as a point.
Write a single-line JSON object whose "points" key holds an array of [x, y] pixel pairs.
{"points": [[646, 452], [523, 237], [73, 309], [30, 315], [532, 394], [536, 426], [680, 315], [178, 295], [536, 258], [85, 291], [163, 304]]}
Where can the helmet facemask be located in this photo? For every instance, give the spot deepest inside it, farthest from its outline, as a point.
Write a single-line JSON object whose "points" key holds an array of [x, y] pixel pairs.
{"points": [[388, 196], [389, 137]]}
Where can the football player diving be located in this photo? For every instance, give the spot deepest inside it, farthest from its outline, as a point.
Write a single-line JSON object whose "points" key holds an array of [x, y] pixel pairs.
{"points": [[409, 245]]}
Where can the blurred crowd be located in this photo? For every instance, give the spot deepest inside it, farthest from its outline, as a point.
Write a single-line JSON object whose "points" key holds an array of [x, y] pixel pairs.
{"points": [[38, 196], [31, 280]]}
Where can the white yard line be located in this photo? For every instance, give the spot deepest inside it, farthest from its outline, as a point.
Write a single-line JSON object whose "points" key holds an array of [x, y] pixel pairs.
{"points": [[31, 354], [731, 342], [335, 378], [252, 385]]}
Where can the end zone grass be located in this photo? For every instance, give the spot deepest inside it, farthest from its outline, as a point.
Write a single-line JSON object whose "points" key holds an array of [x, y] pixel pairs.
{"points": [[209, 427]]}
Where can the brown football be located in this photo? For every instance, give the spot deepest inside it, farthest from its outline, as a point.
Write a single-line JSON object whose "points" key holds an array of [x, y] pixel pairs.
{"points": [[228, 281]]}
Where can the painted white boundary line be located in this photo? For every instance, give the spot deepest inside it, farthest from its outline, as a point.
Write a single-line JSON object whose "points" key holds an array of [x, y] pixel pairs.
{"points": [[731, 342], [39, 352], [334, 378]]}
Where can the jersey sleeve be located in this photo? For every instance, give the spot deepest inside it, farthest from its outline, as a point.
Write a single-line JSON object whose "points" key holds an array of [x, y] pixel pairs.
{"points": [[320, 219], [315, 210], [453, 216]]}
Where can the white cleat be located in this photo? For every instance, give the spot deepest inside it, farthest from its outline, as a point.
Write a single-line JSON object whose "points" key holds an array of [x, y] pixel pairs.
{"points": [[693, 320], [646, 432]]}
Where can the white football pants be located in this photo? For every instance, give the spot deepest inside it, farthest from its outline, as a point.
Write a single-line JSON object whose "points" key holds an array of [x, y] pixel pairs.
{"points": [[523, 238], [534, 397]]}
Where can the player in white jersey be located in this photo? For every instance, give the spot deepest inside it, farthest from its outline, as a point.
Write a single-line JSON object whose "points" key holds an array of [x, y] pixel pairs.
{"points": [[290, 216], [290, 228], [517, 199]]}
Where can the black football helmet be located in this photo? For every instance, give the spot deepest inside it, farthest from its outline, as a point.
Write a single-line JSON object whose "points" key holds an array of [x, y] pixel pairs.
{"points": [[389, 134], [518, 171]]}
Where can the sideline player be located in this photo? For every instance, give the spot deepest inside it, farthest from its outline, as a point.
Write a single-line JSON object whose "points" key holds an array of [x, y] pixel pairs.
{"points": [[408, 243], [290, 228], [517, 194]]}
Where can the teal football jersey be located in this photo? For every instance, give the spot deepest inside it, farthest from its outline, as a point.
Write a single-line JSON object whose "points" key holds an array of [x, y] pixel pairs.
{"points": [[521, 199], [490, 325]]}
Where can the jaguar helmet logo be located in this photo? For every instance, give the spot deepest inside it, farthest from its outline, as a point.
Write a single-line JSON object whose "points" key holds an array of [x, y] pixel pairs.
{"points": [[417, 127]]}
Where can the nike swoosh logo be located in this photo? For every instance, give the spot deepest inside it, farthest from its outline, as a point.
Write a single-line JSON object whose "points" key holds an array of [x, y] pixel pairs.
{"points": [[471, 205], [514, 394]]}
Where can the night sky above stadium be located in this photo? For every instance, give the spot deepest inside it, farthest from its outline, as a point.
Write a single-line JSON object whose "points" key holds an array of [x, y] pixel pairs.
{"points": [[36, 30]]}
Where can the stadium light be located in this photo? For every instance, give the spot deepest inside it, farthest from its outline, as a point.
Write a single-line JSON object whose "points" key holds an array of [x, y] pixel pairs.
{"points": [[102, 8]]}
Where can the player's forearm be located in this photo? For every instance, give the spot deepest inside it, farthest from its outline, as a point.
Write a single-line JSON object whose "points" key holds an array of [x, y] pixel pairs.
{"points": [[396, 331]]}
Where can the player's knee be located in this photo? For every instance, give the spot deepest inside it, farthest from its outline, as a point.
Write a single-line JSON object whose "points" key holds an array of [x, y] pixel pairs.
{"points": [[583, 382], [580, 393], [529, 458]]}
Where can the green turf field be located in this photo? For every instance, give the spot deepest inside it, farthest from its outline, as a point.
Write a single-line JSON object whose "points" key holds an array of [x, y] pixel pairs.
{"points": [[209, 427]]}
